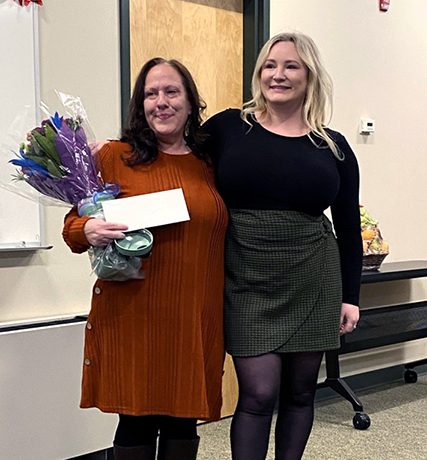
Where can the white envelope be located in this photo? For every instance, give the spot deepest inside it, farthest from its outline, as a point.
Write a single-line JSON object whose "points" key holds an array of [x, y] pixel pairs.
{"points": [[149, 210]]}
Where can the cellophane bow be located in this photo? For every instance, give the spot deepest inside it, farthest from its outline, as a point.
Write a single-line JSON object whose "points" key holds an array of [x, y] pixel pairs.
{"points": [[57, 161]]}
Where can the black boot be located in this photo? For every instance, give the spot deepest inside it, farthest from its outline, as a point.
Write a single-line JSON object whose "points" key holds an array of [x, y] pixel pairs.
{"points": [[178, 449], [135, 453]]}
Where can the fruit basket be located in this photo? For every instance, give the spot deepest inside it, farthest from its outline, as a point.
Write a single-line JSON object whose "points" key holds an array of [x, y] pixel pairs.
{"points": [[373, 262], [375, 248]]}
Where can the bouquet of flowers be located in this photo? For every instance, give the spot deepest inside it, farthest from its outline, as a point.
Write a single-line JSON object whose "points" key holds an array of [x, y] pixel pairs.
{"points": [[56, 160]]}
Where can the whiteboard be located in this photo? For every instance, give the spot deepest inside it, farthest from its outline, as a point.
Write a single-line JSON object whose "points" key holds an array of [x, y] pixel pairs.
{"points": [[20, 218]]}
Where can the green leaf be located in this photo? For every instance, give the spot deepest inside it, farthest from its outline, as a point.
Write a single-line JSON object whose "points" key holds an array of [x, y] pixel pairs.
{"points": [[42, 161], [47, 146], [34, 148], [50, 133], [52, 168]]}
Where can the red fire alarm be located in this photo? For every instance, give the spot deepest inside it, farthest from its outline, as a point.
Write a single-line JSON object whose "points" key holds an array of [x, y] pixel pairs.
{"points": [[384, 5]]}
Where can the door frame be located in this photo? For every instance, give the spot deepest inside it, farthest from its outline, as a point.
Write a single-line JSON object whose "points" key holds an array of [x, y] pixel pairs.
{"points": [[256, 31]]}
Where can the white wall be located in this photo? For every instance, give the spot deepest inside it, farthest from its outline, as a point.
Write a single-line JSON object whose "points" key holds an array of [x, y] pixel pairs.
{"points": [[79, 55], [378, 62]]}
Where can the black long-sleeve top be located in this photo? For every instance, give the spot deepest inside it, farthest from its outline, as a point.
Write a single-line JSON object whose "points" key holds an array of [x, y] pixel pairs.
{"points": [[258, 169]]}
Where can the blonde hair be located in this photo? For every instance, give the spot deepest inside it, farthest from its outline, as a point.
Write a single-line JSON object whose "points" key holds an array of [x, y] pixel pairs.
{"points": [[317, 108]]}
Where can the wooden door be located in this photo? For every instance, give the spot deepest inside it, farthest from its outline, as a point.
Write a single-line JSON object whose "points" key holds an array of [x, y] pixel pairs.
{"points": [[207, 37]]}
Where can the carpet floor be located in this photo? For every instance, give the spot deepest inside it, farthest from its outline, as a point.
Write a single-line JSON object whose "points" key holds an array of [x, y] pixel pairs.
{"points": [[398, 428]]}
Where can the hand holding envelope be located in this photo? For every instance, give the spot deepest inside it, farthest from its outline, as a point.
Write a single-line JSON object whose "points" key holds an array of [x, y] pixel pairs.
{"points": [[121, 260]]}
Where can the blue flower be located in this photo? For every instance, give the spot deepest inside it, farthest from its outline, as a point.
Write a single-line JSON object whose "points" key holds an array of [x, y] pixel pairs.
{"points": [[56, 120], [28, 166]]}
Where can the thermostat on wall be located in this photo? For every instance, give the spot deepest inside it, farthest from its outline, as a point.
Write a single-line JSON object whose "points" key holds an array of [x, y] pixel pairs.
{"points": [[367, 126]]}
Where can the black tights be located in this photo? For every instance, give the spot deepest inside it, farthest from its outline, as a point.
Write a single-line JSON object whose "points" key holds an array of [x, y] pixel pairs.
{"points": [[133, 431], [291, 377]]}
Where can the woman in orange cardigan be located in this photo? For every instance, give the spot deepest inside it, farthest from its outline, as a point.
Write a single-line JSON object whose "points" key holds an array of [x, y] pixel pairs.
{"points": [[154, 347]]}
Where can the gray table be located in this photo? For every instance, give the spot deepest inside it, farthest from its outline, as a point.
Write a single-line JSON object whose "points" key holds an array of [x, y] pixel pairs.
{"points": [[379, 327]]}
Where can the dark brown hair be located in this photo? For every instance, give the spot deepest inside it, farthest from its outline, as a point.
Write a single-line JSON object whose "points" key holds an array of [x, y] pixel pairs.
{"points": [[141, 137]]}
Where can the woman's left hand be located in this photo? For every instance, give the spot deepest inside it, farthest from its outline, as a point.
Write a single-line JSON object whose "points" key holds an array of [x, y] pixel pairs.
{"points": [[96, 146], [349, 318]]}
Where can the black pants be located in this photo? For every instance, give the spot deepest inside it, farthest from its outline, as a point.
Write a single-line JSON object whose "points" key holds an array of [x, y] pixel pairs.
{"points": [[143, 430]]}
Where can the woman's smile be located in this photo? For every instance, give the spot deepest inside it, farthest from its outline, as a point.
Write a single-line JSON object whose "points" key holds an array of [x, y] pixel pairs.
{"points": [[164, 116], [280, 88]]}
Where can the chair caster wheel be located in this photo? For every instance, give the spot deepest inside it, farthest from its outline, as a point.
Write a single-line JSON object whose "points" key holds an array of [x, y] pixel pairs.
{"points": [[410, 376], [361, 421]]}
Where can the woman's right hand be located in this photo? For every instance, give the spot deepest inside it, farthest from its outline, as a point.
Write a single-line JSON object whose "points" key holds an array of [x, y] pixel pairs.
{"points": [[100, 233]]}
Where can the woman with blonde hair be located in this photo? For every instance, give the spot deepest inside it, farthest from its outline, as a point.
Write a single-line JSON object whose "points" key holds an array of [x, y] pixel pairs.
{"points": [[292, 282]]}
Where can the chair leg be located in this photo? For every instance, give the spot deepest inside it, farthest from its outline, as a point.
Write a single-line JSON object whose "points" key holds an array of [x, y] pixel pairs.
{"points": [[135, 453], [178, 449]]}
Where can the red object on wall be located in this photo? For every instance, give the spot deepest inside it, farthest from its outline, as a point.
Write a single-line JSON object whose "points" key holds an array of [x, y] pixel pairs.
{"points": [[384, 5], [27, 2]]}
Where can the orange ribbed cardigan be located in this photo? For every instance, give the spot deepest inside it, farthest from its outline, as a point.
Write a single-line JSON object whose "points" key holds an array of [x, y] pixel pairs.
{"points": [[155, 346]]}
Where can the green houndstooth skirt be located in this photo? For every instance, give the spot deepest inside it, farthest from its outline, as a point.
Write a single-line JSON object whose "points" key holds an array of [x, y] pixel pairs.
{"points": [[282, 283]]}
